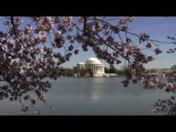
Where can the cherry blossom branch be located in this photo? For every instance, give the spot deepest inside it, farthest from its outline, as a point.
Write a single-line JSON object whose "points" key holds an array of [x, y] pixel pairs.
{"points": [[152, 40], [13, 26], [113, 49]]}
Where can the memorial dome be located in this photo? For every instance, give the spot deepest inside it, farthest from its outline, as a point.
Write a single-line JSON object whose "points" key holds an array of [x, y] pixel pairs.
{"points": [[93, 60]]}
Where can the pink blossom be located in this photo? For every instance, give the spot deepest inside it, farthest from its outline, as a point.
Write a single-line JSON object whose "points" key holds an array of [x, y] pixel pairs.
{"points": [[142, 79], [155, 111], [19, 85], [21, 100], [7, 23], [27, 108], [124, 53], [150, 58], [43, 97], [28, 27], [133, 71], [57, 20], [27, 60], [67, 19], [50, 20], [81, 19], [156, 80], [19, 21], [76, 51], [143, 37], [42, 34], [3, 57], [124, 20], [22, 72], [51, 107], [151, 84], [40, 50], [170, 85], [38, 112], [158, 51], [125, 28], [149, 45], [120, 43], [28, 64], [162, 76], [58, 34]]}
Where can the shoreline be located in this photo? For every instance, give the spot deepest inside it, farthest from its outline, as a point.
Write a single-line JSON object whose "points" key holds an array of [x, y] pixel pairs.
{"points": [[93, 77]]}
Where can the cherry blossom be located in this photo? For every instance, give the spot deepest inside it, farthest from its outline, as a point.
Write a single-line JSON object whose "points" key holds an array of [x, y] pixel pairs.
{"points": [[32, 50]]}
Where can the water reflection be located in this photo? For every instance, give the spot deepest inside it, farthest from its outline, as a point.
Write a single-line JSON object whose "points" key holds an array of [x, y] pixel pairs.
{"points": [[96, 89], [97, 96]]}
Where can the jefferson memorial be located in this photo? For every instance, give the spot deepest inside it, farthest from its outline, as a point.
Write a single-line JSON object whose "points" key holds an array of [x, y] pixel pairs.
{"points": [[94, 64]]}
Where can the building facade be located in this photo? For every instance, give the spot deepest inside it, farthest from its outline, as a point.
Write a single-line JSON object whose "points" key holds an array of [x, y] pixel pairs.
{"points": [[95, 65]]}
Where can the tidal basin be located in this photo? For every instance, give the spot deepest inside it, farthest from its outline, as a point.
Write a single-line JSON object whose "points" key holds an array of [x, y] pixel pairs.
{"points": [[92, 96]]}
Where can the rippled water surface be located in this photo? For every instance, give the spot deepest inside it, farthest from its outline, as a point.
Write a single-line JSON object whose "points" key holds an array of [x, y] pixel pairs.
{"points": [[92, 96]]}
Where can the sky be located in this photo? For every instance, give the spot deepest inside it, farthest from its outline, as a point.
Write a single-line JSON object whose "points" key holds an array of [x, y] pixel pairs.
{"points": [[158, 28]]}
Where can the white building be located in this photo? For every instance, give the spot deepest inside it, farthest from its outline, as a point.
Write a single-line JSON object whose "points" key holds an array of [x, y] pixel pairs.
{"points": [[94, 64]]}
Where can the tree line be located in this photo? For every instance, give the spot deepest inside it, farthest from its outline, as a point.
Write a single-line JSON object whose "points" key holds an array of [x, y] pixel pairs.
{"points": [[70, 72]]}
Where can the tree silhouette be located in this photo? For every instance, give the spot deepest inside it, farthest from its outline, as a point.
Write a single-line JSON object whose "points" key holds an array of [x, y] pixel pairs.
{"points": [[112, 69]]}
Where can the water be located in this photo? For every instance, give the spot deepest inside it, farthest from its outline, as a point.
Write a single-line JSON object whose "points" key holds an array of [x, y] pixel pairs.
{"points": [[92, 96]]}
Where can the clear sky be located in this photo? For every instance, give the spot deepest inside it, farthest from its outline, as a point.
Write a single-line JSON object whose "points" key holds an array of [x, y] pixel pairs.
{"points": [[158, 28]]}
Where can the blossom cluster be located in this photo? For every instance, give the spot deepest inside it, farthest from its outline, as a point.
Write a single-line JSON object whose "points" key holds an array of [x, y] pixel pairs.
{"points": [[32, 51]]}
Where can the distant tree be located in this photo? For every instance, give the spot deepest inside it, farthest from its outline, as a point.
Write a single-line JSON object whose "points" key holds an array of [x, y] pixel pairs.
{"points": [[106, 70], [83, 72], [173, 67], [112, 69], [121, 72], [69, 72], [152, 70], [90, 72], [75, 69]]}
